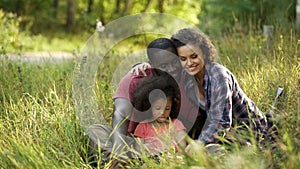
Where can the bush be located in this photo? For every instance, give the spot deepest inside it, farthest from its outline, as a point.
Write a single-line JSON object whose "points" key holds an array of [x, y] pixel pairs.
{"points": [[9, 34]]}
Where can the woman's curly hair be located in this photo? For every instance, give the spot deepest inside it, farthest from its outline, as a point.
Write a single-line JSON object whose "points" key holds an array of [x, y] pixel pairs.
{"points": [[152, 88], [195, 37]]}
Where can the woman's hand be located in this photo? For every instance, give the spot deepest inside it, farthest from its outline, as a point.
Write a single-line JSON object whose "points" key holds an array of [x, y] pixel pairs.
{"points": [[195, 147], [140, 68], [181, 138]]}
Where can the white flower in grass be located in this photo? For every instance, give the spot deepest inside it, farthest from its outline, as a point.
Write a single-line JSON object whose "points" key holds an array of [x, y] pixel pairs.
{"points": [[99, 27]]}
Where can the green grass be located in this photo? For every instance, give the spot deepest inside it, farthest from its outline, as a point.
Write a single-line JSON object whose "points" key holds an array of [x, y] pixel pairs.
{"points": [[39, 127], [54, 42], [63, 41]]}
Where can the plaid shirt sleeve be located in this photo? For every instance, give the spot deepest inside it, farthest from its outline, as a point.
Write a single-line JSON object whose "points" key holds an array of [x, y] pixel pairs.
{"points": [[219, 112]]}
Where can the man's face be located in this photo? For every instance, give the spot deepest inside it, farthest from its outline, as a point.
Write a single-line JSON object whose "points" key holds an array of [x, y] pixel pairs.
{"points": [[166, 61]]}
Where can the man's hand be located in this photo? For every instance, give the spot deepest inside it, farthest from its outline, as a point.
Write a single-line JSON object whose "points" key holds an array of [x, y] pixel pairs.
{"points": [[141, 67]]}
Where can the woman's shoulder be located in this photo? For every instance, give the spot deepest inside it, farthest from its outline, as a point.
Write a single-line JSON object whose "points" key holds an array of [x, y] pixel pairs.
{"points": [[213, 66], [217, 71]]}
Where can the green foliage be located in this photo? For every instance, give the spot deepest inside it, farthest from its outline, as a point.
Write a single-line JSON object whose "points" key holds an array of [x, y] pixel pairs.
{"points": [[222, 15], [13, 40], [213, 16], [9, 35], [182, 10], [41, 16], [39, 128], [59, 41], [19, 79]]}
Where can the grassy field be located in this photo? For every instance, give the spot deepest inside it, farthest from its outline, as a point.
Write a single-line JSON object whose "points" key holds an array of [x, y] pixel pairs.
{"points": [[39, 127]]}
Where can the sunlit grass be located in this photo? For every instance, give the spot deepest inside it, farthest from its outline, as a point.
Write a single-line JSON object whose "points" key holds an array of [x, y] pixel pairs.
{"points": [[39, 127]]}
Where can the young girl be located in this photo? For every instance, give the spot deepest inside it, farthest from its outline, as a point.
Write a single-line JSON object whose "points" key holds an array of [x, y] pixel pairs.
{"points": [[156, 103]]}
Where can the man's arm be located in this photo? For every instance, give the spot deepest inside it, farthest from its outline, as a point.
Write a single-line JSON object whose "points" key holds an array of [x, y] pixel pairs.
{"points": [[121, 115]]}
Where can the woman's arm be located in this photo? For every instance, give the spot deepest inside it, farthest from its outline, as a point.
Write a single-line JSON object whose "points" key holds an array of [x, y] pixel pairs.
{"points": [[219, 115]]}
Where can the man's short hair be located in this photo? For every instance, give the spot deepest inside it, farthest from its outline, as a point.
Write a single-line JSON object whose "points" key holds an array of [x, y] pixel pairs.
{"points": [[160, 43]]}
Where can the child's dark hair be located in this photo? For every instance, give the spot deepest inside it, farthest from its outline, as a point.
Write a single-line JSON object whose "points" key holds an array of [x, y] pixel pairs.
{"points": [[142, 96]]}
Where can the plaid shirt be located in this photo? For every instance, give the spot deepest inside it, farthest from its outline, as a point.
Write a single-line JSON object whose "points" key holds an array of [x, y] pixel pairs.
{"points": [[225, 103]]}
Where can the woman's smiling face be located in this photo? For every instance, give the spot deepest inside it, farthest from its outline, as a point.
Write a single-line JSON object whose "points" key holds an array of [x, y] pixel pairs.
{"points": [[191, 58]]}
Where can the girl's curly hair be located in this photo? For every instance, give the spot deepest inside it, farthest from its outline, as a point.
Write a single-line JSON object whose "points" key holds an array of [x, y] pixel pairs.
{"points": [[146, 93]]}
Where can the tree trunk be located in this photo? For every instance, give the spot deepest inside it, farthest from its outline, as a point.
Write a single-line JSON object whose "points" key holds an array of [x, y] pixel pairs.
{"points": [[118, 4], [268, 33], [55, 7], [70, 14], [298, 14], [147, 5], [160, 6], [102, 11], [19, 8], [128, 5], [90, 6]]}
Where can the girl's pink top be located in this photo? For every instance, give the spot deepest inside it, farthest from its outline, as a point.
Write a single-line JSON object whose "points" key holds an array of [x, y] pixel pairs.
{"points": [[152, 136]]}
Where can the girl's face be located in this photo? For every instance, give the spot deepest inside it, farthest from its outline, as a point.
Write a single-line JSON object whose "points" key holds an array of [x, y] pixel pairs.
{"points": [[191, 58], [161, 109]]}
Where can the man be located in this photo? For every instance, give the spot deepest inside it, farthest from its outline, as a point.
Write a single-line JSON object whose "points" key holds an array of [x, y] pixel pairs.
{"points": [[162, 55]]}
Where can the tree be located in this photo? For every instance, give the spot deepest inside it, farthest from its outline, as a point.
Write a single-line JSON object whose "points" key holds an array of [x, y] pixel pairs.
{"points": [[128, 6], [70, 21], [90, 6], [55, 7], [102, 11], [160, 6], [118, 3], [146, 6]]}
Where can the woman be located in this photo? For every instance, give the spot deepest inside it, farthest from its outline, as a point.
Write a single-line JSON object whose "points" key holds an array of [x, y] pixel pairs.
{"points": [[214, 88]]}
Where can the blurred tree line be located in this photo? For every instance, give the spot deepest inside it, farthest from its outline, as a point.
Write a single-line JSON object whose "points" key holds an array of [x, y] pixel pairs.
{"points": [[210, 15], [75, 15], [222, 15]]}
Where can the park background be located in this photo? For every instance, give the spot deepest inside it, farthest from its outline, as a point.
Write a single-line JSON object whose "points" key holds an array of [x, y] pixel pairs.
{"points": [[38, 124]]}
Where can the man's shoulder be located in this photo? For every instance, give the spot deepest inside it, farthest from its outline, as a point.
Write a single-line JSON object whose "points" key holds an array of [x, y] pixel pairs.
{"points": [[128, 84]]}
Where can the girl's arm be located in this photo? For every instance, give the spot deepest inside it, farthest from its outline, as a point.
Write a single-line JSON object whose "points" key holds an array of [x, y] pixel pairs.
{"points": [[181, 140], [180, 134]]}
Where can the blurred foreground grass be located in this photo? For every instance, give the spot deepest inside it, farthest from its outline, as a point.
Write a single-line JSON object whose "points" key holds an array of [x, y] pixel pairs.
{"points": [[39, 128]]}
